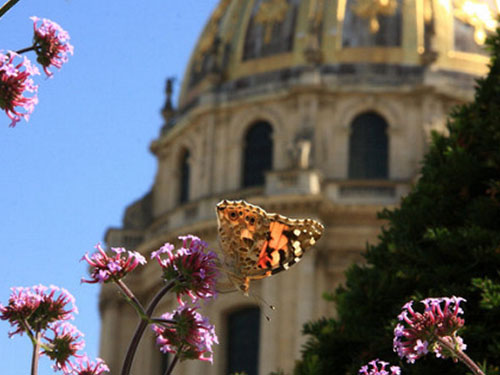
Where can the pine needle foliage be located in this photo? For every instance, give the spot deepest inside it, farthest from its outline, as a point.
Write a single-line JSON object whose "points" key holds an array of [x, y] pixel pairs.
{"points": [[443, 240]]}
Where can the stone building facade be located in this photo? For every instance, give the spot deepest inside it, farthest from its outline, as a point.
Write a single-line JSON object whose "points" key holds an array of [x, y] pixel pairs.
{"points": [[308, 108]]}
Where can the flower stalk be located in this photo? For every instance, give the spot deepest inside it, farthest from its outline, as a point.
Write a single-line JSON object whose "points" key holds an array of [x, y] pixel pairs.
{"points": [[172, 365], [5, 7], [136, 304], [27, 49], [460, 355], [141, 327], [36, 354]]}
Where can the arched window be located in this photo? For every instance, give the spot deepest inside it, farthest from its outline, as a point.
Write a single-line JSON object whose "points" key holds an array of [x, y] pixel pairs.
{"points": [[258, 154], [243, 341], [368, 147], [184, 177]]}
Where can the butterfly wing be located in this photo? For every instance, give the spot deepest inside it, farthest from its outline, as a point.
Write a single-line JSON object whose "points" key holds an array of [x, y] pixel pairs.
{"points": [[288, 240], [256, 244], [243, 229]]}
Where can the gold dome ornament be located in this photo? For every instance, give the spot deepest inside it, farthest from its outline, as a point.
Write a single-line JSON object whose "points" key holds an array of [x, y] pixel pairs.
{"points": [[209, 35], [371, 9], [269, 13], [476, 14]]}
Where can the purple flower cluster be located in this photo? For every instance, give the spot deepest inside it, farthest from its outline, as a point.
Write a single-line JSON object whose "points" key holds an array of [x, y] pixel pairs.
{"points": [[187, 334], [43, 313], [51, 44], [15, 81], [420, 333], [192, 267], [84, 366], [106, 268], [379, 368], [37, 307], [66, 341]]}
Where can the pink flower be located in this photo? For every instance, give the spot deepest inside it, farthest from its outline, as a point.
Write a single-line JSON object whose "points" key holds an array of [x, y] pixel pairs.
{"points": [[193, 269], [84, 366], [189, 336], [51, 44], [64, 344], [379, 368], [15, 82], [38, 307], [420, 333], [106, 268]]}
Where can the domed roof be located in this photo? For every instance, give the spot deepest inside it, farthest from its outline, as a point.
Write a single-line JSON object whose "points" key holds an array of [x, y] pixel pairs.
{"points": [[247, 42]]}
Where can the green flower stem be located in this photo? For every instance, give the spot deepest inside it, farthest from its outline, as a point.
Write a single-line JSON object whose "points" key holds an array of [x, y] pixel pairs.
{"points": [[29, 331], [172, 365], [132, 299], [163, 322], [35, 341], [36, 354], [9, 4], [141, 327], [27, 49], [464, 358]]}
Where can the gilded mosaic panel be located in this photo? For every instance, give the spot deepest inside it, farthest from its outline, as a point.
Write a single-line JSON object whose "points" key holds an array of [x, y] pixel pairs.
{"points": [[473, 20], [371, 23], [271, 29]]}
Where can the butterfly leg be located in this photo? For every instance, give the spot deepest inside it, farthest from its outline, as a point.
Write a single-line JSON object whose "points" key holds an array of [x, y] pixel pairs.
{"points": [[225, 287]]}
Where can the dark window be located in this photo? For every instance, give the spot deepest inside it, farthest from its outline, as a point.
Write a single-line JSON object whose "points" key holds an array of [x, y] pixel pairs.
{"points": [[368, 147], [184, 177], [258, 154], [243, 340]]}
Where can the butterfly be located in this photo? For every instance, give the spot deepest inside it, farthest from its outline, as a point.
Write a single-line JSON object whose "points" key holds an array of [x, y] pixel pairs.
{"points": [[256, 244]]}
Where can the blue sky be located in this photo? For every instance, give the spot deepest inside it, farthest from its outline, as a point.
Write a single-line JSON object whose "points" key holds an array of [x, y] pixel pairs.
{"points": [[68, 173]]}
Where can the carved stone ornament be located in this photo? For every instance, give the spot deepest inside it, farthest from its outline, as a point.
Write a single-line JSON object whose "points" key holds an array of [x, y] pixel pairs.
{"points": [[428, 53], [269, 13], [315, 16], [300, 150], [371, 9], [478, 14], [428, 11]]}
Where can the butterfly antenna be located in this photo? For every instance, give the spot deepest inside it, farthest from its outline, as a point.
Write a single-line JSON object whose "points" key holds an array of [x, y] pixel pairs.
{"points": [[263, 303]]}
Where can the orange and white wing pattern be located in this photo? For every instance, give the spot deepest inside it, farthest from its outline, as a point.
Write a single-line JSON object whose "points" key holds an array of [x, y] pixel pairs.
{"points": [[256, 244]]}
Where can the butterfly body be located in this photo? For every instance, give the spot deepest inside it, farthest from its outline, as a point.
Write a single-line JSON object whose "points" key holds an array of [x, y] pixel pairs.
{"points": [[256, 244]]}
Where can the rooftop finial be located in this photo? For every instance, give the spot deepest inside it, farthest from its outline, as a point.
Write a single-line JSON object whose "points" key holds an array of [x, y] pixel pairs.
{"points": [[168, 109]]}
